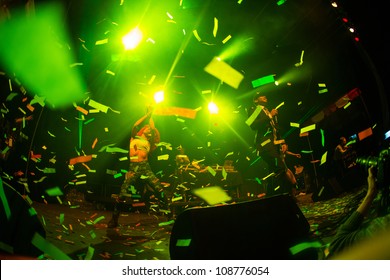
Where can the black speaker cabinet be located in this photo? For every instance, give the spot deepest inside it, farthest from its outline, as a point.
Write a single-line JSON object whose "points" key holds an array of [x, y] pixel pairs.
{"points": [[252, 230], [19, 223]]}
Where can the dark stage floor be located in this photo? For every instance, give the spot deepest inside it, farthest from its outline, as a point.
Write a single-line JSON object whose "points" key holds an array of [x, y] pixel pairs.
{"points": [[79, 230]]}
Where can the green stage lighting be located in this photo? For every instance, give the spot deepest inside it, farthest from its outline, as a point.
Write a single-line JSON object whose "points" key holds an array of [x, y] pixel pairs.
{"points": [[132, 39]]}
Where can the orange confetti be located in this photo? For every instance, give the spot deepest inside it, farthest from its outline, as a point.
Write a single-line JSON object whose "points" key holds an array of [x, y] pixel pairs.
{"points": [[86, 166], [31, 108], [94, 143], [176, 111], [23, 119], [138, 204], [80, 159], [82, 110]]}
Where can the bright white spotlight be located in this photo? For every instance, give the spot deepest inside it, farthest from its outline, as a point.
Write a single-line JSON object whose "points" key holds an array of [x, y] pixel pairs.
{"points": [[213, 108], [132, 39], [159, 96]]}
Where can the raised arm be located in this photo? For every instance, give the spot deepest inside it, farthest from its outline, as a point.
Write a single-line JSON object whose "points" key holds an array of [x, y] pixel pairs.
{"points": [[144, 118], [372, 191], [293, 154]]}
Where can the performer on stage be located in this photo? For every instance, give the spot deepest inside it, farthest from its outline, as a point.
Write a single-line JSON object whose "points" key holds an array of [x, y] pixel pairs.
{"points": [[267, 139], [338, 157], [290, 175], [144, 137]]}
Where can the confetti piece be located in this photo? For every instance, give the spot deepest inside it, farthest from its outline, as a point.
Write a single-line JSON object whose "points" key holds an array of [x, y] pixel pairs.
{"points": [[54, 191], [48, 248], [347, 105], [98, 219], [365, 133], [80, 183], [98, 106], [212, 195], [90, 253], [4, 201], [322, 137], [38, 99], [92, 234], [110, 72], [62, 217], [101, 42], [308, 128], [151, 80], [224, 41], [280, 105], [177, 198], [89, 121], [303, 246], [195, 32], [254, 115], [163, 157], [323, 158], [265, 142], [176, 111], [211, 171], [11, 96], [116, 150], [215, 30], [323, 91], [82, 110], [294, 124], [59, 200], [80, 159], [166, 223], [224, 72], [31, 108], [263, 81], [94, 143], [224, 173], [301, 59]]}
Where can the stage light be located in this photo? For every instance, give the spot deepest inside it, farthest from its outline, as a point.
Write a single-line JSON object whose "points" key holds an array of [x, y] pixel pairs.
{"points": [[213, 108], [159, 96], [334, 4], [132, 39]]}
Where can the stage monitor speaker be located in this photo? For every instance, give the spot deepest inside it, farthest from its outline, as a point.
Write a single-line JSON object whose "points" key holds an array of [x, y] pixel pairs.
{"points": [[257, 229], [18, 229]]}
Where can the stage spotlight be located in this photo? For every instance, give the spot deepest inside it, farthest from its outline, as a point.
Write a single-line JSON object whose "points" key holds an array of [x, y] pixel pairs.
{"points": [[213, 108], [159, 96], [132, 39]]}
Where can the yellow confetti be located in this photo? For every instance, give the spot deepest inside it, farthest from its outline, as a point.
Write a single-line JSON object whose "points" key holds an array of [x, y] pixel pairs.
{"points": [[110, 72], [101, 42], [308, 128], [226, 39], [294, 124], [195, 32], [215, 30]]}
